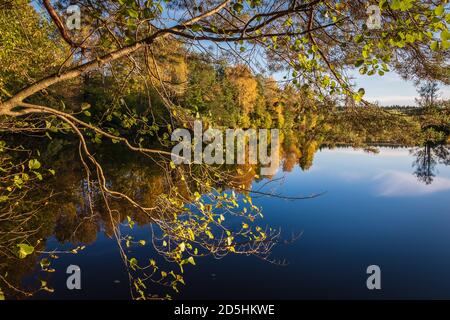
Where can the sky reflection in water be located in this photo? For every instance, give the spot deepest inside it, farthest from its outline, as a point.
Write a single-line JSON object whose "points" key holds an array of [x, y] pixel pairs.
{"points": [[375, 211]]}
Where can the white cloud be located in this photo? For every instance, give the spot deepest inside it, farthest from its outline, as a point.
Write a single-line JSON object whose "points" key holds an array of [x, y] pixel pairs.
{"points": [[390, 100], [398, 152], [405, 184]]}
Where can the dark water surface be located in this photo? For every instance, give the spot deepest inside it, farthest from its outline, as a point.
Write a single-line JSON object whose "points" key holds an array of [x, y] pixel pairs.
{"points": [[378, 209]]}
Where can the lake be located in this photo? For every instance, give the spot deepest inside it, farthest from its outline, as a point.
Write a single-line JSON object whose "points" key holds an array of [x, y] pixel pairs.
{"points": [[390, 209]]}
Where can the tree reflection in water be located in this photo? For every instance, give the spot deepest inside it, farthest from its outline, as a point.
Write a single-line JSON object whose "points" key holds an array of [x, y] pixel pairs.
{"points": [[427, 157], [195, 211]]}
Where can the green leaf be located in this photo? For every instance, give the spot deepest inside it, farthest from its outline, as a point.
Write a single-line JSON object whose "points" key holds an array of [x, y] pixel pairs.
{"points": [[439, 10], [130, 222], [238, 7], [359, 63], [38, 175], [196, 27], [191, 260], [133, 263], [45, 263], [34, 164], [410, 38], [358, 38], [18, 182], [191, 234], [395, 5], [132, 13], [24, 250], [434, 46], [361, 92], [288, 22]]}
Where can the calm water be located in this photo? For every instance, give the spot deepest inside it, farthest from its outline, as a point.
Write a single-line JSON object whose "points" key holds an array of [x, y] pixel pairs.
{"points": [[376, 210]]}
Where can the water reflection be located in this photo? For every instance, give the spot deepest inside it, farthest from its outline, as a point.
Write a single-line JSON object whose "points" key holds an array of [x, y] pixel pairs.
{"points": [[70, 209], [403, 184], [427, 158], [193, 212]]}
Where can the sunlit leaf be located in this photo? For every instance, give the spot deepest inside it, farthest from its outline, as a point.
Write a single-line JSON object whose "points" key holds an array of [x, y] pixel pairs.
{"points": [[34, 164], [24, 250]]}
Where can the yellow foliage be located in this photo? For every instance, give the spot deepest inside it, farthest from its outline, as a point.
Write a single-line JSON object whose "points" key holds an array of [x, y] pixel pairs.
{"points": [[271, 91], [245, 84], [170, 68], [26, 50]]}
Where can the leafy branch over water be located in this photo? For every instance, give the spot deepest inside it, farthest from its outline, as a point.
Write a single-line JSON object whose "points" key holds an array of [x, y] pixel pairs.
{"points": [[136, 70]]}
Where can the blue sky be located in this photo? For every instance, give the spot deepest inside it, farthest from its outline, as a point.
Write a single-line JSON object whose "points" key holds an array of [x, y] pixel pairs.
{"points": [[391, 89]]}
